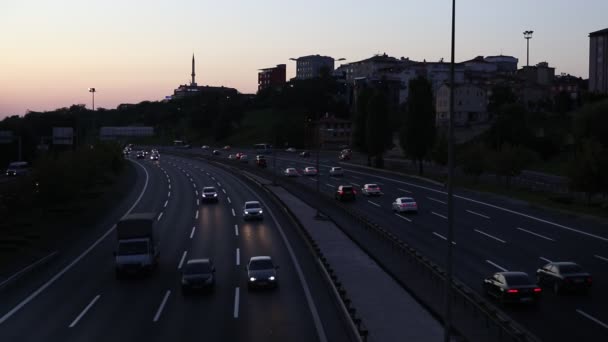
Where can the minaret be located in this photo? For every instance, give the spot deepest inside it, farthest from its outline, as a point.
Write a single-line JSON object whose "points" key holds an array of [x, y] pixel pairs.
{"points": [[193, 74]]}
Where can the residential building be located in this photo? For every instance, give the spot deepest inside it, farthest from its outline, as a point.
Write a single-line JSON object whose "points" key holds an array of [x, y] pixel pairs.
{"points": [[541, 74], [192, 89], [271, 77], [308, 67], [470, 105], [598, 61], [334, 132], [504, 64], [568, 84]]}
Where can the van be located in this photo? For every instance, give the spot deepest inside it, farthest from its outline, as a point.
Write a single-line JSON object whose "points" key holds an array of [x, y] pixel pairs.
{"points": [[17, 169]]}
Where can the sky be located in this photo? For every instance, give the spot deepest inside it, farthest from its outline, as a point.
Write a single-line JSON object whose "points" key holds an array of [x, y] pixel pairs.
{"points": [[51, 52]]}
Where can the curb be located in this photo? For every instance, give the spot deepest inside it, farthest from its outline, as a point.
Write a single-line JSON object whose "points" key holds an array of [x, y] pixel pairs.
{"points": [[28, 269]]}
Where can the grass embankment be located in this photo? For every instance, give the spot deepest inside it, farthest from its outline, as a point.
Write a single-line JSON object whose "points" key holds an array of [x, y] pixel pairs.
{"points": [[75, 189]]}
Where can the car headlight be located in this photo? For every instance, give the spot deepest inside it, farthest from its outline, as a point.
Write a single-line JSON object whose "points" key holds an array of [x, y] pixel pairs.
{"points": [[245, 213], [214, 195], [271, 278], [252, 279], [204, 195], [261, 211]]}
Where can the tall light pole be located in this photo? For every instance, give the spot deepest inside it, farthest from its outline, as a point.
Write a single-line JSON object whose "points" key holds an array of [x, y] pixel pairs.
{"points": [[92, 91], [450, 185], [528, 36]]}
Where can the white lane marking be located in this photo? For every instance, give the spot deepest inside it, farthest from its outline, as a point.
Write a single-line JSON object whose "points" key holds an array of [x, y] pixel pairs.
{"points": [[436, 200], [166, 202], [545, 259], [219, 184], [592, 318], [236, 303], [311, 304], [192, 232], [478, 214], [159, 216], [536, 234], [331, 186], [188, 175], [30, 266], [169, 194], [374, 203], [194, 185], [198, 201], [196, 192], [224, 190], [355, 177], [442, 237], [162, 306], [169, 186], [600, 257], [168, 180], [84, 312], [207, 173], [196, 215], [405, 218], [407, 191], [496, 265], [313, 179], [238, 257], [233, 213], [236, 229], [213, 178], [228, 198], [443, 217], [355, 184], [490, 236], [181, 261], [602, 238], [191, 180]]}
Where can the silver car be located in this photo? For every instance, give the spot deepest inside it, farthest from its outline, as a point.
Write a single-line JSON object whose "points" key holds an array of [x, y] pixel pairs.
{"points": [[405, 204], [336, 171], [290, 172], [253, 210], [371, 190]]}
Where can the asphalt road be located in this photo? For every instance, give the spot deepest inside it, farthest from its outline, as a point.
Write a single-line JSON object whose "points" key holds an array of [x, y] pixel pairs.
{"points": [[491, 234], [79, 299]]}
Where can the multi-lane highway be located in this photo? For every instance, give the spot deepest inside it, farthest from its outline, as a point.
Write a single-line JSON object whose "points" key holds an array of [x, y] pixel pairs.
{"points": [[491, 234], [79, 298]]}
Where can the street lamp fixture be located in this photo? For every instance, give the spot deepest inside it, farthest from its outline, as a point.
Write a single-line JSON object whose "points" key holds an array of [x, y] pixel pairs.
{"points": [[528, 36], [92, 91]]}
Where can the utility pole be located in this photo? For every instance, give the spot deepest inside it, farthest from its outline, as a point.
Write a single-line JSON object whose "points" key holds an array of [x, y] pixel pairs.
{"points": [[92, 91], [528, 36], [449, 256]]}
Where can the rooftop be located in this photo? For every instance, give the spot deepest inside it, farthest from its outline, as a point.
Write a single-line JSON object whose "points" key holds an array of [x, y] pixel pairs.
{"points": [[603, 32]]}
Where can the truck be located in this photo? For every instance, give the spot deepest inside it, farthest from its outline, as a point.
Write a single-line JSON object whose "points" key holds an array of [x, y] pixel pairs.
{"points": [[137, 248]]}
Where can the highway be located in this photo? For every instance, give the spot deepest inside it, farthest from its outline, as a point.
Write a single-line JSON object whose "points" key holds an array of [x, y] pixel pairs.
{"points": [[492, 234], [79, 298]]}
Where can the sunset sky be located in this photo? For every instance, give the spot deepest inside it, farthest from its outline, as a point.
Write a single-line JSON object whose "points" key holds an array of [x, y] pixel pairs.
{"points": [[135, 50]]}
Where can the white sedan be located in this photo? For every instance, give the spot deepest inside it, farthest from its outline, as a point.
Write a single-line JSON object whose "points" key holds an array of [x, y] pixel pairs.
{"points": [[405, 204], [336, 171], [291, 172], [371, 190], [232, 157], [310, 171], [291, 149]]}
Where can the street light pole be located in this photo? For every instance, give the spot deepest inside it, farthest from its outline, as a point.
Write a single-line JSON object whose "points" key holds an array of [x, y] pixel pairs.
{"points": [[317, 128], [450, 186], [92, 91], [528, 36]]}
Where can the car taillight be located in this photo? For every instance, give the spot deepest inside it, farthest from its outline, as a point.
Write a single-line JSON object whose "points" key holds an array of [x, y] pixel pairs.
{"points": [[512, 291], [537, 289], [340, 192]]}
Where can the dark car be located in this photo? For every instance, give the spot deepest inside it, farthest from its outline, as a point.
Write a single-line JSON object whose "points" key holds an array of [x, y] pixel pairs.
{"points": [[260, 162], [141, 155], [345, 193], [198, 274], [512, 287], [304, 154], [209, 194], [253, 210], [344, 156], [261, 272], [564, 276]]}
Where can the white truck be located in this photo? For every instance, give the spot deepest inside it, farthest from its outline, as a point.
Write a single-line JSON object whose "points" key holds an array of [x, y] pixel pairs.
{"points": [[137, 248]]}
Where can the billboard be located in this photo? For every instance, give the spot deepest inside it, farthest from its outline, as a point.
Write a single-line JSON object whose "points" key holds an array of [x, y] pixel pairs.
{"points": [[63, 136]]}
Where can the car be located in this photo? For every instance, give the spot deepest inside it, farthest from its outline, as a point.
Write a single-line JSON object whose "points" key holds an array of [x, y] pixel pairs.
{"points": [[226, 148], [231, 157], [154, 156], [346, 193], [310, 171], [262, 272], [336, 171], [304, 154], [291, 149], [216, 152], [512, 287], [347, 151], [371, 190], [291, 172], [260, 161], [209, 194], [140, 155], [564, 276], [405, 204], [243, 158], [198, 274], [17, 168], [205, 147], [238, 155], [253, 210], [344, 156]]}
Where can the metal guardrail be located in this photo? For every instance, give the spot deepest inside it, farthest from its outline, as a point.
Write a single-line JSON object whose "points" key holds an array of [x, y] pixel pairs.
{"points": [[495, 324]]}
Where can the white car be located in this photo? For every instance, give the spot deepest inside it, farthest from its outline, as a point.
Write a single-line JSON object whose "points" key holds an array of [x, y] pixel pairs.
{"points": [[243, 158], [291, 149], [231, 157], [336, 171], [371, 190], [205, 147], [291, 172], [405, 204], [310, 171]]}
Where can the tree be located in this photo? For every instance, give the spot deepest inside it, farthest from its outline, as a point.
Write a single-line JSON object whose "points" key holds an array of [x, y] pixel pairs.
{"points": [[360, 120], [501, 95], [378, 130], [511, 160], [591, 121], [417, 134], [440, 150], [589, 169], [473, 160], [511, 127]]}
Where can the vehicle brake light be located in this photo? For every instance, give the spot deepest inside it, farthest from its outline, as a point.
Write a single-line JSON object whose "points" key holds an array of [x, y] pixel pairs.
{"points": [[512, 291], [537, 289]]}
